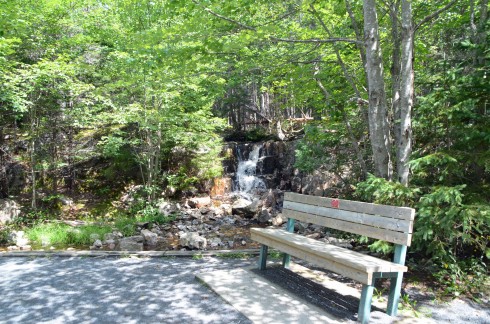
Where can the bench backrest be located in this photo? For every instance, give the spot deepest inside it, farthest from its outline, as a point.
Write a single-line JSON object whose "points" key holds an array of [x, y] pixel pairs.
{"points": [[387, 223]]}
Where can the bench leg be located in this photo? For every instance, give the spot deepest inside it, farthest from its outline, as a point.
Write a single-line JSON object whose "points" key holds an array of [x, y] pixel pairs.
{"points": [[394, 296], [365, 304], [263, 257], [286, 259], [396, 283]]}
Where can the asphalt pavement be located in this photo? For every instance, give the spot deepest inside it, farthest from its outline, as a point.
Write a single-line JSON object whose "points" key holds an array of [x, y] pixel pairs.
{"points": [[112, 290]]}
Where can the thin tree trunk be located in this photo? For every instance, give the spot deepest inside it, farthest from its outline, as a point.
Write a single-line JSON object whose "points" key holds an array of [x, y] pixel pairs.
{"points": [[378, 119], [395, 69], [404, 144]]}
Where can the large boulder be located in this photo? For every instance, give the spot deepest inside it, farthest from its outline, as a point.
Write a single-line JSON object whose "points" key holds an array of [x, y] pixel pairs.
{"points": [[131, 243], [9, 210], [193, 240], [149, 238], [245, 208]]}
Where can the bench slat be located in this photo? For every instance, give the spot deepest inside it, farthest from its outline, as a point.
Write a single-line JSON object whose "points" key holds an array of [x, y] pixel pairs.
{"points": [[405, 213], [373, 232], [349, 263], [388, 223]]}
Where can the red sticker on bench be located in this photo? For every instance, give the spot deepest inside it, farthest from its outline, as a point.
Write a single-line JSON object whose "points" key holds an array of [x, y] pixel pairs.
{"points": [[335, 203]]}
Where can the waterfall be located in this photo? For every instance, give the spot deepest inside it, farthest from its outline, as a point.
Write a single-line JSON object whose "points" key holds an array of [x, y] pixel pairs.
{"points": [[247, 182]]}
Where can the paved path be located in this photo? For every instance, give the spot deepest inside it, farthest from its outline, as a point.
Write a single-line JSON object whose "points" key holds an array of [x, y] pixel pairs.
{"points": [[112, 290]]}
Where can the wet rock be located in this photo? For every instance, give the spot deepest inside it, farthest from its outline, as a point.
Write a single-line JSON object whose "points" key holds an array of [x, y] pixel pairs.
{"points": [[199, 202], [221, 186], [149, 238], [193, 240], [132, 243], [9, 210]]}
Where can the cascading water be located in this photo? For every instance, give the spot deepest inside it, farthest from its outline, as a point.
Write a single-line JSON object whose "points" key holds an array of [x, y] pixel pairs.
{"points": [[247, 183]]}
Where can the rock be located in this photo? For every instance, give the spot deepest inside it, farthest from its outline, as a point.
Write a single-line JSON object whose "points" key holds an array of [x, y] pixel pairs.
{"points": [[264, 216], [299, 227], [199, 202], [339, 242], [9, 210], [97, 244], [13, 248], [149, 238], [65, 201], [314, 235], [18, 238], [245, 208], [269, 199], [221, 186], [26, 248], [167, 208], [110, 244], [131, 243], [227, 209], [193, 240], [215, 242], [278, 220], [110, 236]]}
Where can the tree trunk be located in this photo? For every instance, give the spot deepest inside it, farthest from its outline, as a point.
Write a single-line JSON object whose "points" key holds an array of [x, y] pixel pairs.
{"points": [[378, 119], [395, 69], [404, 143]]}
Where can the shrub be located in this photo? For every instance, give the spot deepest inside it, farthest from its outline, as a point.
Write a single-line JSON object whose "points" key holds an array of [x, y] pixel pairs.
{"points": [[451, 233]]}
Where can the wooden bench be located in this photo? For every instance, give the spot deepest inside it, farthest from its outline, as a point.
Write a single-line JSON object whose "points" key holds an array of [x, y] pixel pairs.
{"points": [[388, 223]]}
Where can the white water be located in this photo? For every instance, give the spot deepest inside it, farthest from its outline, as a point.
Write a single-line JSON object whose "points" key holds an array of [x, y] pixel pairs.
{"points": [[247, 183]]}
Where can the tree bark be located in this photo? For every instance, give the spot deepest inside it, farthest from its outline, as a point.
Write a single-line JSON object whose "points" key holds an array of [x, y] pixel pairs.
{"points": [[378, 119], [404, 144]]}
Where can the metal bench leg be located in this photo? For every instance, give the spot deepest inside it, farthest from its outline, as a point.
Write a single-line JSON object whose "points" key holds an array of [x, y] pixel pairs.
{"points": [[396, 283], [365, 304], [287, 258], [263, 257], [394, 296]]}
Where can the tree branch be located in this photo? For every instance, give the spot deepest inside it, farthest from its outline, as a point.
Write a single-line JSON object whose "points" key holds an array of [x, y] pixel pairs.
{"points": [[434, 15], [278, 39]]}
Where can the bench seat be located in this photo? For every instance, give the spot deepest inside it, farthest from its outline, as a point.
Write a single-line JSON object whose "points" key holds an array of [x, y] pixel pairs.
{"points": [[358, 266]]}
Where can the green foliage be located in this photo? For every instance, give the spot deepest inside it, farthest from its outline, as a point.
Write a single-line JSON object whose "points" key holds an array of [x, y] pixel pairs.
{"points": [[4, 235], [57, 234], [451, 232]]}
